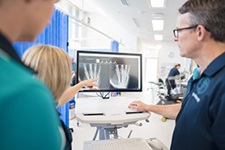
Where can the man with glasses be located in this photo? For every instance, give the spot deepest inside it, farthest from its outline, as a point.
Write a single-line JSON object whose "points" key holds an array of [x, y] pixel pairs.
{"points": [[200, 35], [28, 117]]}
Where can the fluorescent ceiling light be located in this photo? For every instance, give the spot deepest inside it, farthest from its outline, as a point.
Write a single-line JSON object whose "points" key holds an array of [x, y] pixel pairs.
{"points": [[157, 3], [158, 25], [158, 37]]}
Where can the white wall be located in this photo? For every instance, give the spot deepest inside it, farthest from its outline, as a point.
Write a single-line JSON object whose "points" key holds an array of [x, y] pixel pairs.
{"points": [[110, 28], [168, 56]]}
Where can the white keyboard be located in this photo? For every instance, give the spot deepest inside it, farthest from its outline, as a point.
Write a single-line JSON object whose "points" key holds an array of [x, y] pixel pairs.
{"points": [[117, 144]]}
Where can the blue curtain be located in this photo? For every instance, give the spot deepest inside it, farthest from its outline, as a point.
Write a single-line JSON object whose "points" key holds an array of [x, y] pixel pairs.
{"points": [[56, 34], [115, 46]]}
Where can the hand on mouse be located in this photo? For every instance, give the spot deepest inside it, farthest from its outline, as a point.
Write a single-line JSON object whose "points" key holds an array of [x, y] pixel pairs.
{"points": [[138, 105]]}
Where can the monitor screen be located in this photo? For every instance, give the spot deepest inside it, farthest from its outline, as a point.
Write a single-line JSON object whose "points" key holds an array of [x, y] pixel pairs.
{"points": [[114, 71]]}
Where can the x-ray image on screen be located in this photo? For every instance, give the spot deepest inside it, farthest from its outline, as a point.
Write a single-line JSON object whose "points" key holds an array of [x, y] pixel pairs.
{"points": [[120, 76], [114, 71]]}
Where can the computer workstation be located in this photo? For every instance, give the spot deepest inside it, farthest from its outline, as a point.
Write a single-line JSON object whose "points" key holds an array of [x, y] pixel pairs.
{"points": [[116, 72]]}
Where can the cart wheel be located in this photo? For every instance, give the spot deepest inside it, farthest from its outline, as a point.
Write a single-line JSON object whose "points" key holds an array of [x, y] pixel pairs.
{"points": [[163, 119], [71, 130]]}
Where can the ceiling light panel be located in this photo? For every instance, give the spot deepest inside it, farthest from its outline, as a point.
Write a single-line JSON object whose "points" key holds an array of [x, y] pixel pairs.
{"points": [[157, 3], [158, 25], [158, 37]]}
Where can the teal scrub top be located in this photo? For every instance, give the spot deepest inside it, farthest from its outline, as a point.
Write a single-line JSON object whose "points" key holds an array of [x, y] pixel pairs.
{"points": [[28, 118]]}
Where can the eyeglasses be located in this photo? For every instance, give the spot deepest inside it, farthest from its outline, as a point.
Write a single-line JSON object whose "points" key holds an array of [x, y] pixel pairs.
{"points": [[176, 31]]}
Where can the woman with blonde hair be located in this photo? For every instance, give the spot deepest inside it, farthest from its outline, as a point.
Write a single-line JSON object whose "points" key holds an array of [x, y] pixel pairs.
{"points": [[53, 66]]}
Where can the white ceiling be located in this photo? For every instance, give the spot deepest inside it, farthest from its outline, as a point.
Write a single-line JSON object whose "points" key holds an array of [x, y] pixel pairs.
{"points": [[138, 10]]}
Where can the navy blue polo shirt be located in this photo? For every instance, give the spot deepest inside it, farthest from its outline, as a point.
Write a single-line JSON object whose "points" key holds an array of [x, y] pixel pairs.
{"points": [[173, 72], [200, 124]]}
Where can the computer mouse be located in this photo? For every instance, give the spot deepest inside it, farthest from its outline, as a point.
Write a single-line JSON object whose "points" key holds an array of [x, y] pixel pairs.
{"points": [[155, 144]]}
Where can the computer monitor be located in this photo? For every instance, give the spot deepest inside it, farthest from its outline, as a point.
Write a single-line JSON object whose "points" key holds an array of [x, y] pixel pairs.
{"points": [[115, 72]]}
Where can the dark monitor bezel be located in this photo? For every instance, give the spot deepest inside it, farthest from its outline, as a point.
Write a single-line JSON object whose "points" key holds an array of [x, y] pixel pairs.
{"points": [[110, 53]]}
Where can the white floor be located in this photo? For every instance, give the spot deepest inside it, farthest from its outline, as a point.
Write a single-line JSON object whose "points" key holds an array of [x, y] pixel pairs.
{"points": [[154, 129]]}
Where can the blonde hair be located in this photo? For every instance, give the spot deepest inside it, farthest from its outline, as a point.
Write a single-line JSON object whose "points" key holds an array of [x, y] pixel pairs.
{"points": [[53, 67], [176, 65]]}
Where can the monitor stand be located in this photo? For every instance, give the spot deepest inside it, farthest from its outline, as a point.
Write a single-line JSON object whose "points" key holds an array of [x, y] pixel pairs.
{"points": [[104, 95], [106, 132]]}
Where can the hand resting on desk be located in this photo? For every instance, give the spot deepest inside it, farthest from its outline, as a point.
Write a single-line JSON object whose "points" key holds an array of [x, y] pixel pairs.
{"points": [[168, 111], [138, 105]]}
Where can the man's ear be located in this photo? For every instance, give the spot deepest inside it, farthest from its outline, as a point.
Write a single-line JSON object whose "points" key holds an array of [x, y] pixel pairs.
{"points": [[201, 32]]}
